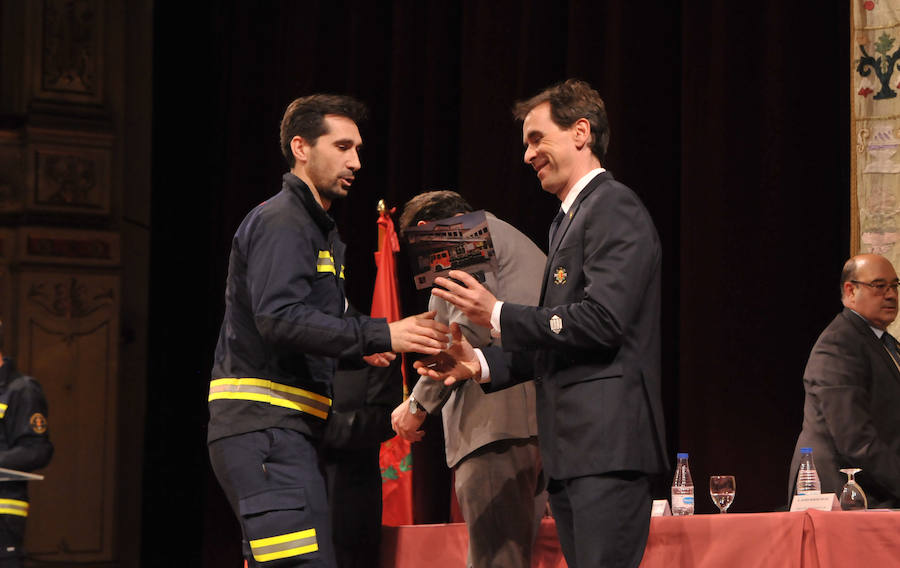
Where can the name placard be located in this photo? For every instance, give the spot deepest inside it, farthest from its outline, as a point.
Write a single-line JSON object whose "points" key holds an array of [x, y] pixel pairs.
{"points": [[822, 502], [660, 508]]}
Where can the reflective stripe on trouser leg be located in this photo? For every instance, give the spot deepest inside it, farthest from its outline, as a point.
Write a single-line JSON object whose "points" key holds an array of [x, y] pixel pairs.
{"points": [[13, 507], [284, 546]]}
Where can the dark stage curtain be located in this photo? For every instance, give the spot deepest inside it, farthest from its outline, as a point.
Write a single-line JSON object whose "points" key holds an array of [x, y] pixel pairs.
{"points": [[730, 120]]}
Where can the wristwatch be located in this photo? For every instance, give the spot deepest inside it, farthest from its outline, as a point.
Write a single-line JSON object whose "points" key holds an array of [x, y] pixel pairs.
{"points": [[413, 405]]}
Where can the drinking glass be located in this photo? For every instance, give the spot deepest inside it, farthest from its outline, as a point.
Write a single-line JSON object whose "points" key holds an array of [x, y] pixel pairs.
{"points": [[721, 489], [853, 498]]}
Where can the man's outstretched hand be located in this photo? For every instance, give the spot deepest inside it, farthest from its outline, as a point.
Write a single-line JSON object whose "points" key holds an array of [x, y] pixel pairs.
{"points": [[380, 359], [457, 363], [472, 298], [418, 334]]}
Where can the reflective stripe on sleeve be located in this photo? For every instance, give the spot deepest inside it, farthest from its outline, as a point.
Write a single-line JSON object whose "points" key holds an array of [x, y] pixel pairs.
{"points": [[3, 408], [13, 507], [263, 390], [325, 262], [284, 546]]}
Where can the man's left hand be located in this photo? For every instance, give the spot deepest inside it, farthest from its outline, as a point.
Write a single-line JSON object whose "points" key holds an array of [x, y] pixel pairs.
{"points": [[380, 359], [472, 298], [406, 424]]}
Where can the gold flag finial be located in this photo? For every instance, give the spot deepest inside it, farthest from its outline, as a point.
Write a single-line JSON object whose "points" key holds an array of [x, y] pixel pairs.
{"points": [[381, 207]]}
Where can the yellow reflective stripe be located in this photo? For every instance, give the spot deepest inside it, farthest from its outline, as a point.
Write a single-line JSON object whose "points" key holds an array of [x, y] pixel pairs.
{"points": [[342, 272], [3, 408], [263, 390], [284, 546], [13, 507], [325, 263]]}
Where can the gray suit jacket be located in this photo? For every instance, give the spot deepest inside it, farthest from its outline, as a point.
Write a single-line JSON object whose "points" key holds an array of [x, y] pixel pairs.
{"points": [[472, 418], [850, 415]]}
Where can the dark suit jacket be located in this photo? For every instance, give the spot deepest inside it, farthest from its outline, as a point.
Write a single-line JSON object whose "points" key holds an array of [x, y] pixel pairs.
{"points": [[850, 415], [598, 379]]}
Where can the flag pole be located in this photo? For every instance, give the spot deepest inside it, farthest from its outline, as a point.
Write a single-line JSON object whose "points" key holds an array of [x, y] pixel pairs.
{"points": [[381, 208]]}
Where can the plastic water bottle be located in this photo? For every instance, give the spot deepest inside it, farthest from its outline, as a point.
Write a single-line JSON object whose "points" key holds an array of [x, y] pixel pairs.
{"points": [[807, 478], [682, 488]]}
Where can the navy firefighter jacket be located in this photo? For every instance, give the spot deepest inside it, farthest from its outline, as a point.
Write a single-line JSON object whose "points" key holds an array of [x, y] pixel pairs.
{"points": [[285, 323], [24, 434]]}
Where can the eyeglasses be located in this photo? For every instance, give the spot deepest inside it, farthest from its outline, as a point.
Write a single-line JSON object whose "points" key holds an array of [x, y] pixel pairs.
{"points": [[879, 288]]}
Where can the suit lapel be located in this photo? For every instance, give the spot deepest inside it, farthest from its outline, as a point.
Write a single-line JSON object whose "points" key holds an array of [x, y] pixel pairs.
{"points": [[863, 327], [566, 223]]}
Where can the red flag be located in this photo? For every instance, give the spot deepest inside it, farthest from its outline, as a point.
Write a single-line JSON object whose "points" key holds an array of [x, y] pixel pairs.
{"points": [[395, 458]]}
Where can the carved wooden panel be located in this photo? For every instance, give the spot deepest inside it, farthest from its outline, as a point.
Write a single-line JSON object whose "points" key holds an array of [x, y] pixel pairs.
{"points": [[69, 178], [68, 339], [12, 170], [7, 290], [68, 246], [71, 51]]}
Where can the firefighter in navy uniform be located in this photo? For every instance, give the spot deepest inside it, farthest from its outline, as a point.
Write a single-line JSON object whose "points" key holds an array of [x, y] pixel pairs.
{"points": [[284, 329], [24, 446]]}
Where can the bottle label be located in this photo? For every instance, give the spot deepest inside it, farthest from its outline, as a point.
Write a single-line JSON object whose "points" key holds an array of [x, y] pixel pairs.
{"points": [[682, 501]]}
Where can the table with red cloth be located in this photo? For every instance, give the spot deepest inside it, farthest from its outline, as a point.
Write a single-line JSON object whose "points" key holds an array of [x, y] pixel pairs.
{"points": [[805, 539]]}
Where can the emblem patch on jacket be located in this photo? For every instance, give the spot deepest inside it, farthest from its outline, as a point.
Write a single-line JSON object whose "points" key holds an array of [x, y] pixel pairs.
{"points": [[560, 275], [555, 324], [38, 423]]}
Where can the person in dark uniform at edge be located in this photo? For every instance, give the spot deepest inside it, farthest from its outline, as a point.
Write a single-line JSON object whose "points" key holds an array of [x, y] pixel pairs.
{"points": [[24, 446], [284, 329], [360, 421]]}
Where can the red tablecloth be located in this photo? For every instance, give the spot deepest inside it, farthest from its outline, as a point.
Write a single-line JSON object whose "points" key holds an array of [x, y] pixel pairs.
{"points": [[445, 546], [809, 539]]}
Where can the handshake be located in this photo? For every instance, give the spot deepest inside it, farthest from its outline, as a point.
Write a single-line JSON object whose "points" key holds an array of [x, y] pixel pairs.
{"points": [[457, 362], [422, 334]]}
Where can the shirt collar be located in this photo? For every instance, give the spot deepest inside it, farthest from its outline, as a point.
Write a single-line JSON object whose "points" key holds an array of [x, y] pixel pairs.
{"points": [[878, 332], [576, 189]]}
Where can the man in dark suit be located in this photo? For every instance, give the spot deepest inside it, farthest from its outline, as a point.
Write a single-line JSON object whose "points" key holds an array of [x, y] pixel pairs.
{"points": [[852, 384], [593, 345], [490, 439]]}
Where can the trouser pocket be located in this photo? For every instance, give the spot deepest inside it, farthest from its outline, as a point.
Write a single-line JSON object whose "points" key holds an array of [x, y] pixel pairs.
{"points": [[279, 527]]}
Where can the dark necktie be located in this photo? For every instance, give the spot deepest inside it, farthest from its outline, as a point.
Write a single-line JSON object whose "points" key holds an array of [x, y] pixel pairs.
{"points": [[891, 345], [555, 225]]}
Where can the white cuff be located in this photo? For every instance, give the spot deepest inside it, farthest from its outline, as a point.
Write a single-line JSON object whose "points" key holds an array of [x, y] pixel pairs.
{"points": [[485, 370], [495, 318]]}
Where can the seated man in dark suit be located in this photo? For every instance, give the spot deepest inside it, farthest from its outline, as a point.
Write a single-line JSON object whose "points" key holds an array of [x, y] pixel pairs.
{"points": [[852, 383]]}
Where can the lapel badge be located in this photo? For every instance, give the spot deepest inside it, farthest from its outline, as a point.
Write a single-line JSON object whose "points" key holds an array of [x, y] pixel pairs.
{"points": [[555, 324], [560, 275]]}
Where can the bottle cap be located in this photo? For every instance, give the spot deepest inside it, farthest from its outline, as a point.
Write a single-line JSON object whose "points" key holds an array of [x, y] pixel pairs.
{"points": [[805, 450], [682, 456]]}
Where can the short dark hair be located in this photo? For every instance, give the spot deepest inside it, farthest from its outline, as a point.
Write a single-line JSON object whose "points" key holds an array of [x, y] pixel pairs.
{"points": [[569, 101], [305, 117], [848, 273], [431, 206]]}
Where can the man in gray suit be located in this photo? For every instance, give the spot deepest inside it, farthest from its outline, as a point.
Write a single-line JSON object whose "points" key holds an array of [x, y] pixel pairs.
{"points": [[852, 383], [491, 439]]}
